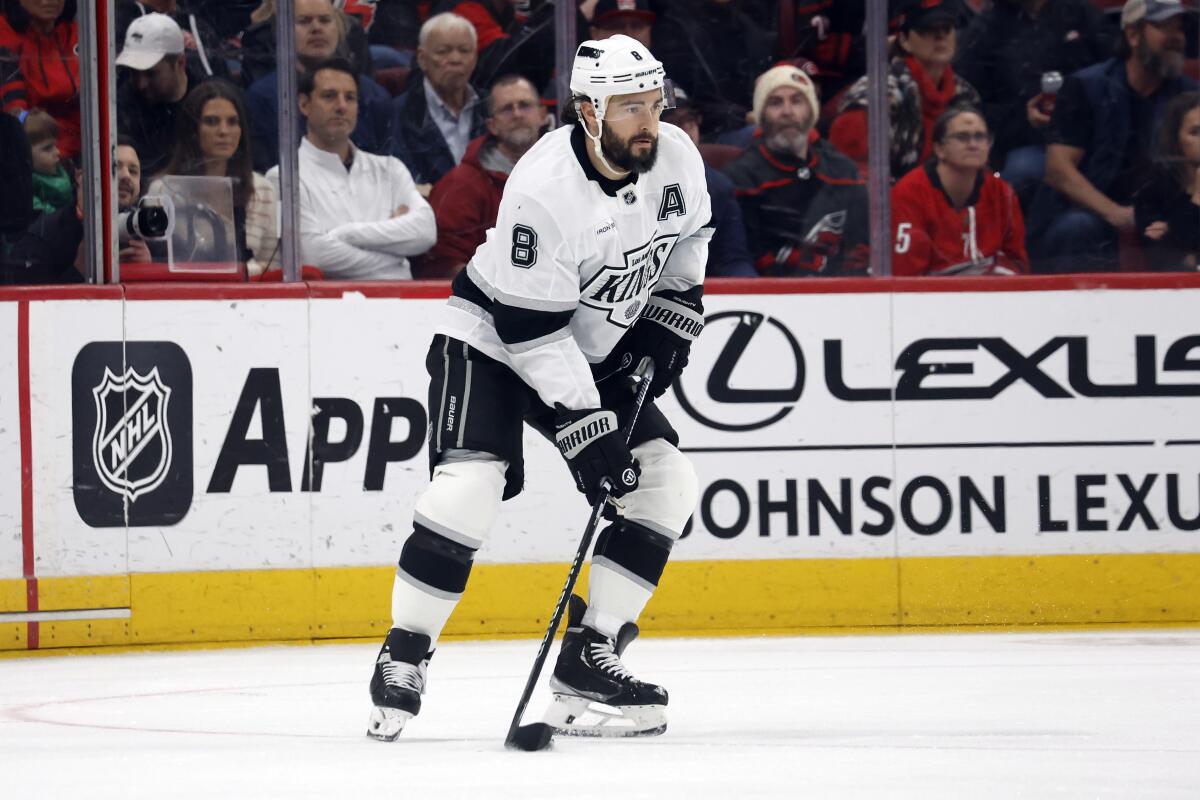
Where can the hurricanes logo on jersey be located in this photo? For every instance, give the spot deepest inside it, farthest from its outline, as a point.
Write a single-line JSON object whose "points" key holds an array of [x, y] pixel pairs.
{"points": [[616, 289]]}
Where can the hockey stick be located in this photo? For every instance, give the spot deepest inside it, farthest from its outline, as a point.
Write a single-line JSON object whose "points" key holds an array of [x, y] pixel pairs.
{"points": [[537, 735]]}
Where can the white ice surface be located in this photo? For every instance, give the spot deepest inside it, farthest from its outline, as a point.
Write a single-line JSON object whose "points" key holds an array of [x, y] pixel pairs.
{"points": [[922, 716]]}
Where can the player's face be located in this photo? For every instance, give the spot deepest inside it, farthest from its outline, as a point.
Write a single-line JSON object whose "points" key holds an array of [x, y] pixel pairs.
{"points": [[630, 135], [129, 176], [332, 108], [967, 143], [787, 119]]}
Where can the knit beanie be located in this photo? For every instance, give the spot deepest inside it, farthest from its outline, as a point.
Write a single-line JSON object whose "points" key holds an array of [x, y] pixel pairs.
{"points": [[785, 75]]}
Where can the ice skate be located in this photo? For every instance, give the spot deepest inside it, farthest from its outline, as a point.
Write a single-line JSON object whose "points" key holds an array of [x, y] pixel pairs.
{"points": [[594, 694], [398, 683]]}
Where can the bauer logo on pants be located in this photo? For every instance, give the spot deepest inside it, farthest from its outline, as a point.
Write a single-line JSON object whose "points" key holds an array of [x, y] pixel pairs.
{"points": [[132, 433]]}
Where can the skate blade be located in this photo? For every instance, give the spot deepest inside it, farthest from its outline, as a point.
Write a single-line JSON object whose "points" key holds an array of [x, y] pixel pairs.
{"points": [[571, 715], [385, 724]]}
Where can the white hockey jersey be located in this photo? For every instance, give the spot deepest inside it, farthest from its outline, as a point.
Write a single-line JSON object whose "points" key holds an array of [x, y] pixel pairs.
{"points": [[574, 257]]}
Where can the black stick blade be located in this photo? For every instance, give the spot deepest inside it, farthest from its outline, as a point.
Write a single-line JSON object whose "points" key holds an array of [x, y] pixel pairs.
{"points": [[536, 736]]}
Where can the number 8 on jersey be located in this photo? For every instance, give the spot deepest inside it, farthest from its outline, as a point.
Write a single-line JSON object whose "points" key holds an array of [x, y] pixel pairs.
{"points": [[524, 246]]}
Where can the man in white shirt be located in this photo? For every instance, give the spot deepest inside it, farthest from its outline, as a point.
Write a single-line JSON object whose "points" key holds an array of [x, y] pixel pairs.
{"points": [[361, 216]]}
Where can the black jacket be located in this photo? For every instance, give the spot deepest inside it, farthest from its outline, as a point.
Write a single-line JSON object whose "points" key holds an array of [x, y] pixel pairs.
{"points": [[151, 126], [16, 176], [47, 251], [803, 219], [416, 139], [1162, 199], [1004, 53]]}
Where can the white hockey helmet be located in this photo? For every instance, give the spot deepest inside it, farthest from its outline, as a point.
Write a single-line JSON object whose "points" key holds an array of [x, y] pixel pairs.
{"points": [[613, 66]]}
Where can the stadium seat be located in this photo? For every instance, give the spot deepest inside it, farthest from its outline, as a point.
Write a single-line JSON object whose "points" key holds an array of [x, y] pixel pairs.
{"points": [[394, 79], [718, 155]]}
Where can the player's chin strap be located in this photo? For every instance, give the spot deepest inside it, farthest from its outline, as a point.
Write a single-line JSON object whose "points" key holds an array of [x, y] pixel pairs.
{"points": [[598, 147]]}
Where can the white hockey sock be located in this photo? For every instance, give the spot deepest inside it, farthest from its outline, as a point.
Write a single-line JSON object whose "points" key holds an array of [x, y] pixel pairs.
{"points": [[419, 609], [614, 598]]}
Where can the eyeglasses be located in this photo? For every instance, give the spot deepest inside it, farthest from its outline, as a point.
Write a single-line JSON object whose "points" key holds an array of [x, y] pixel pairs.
{"points": [[978, 137], [512, 109], [619, 109]]}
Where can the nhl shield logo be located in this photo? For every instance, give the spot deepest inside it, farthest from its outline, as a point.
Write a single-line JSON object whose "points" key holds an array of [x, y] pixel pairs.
{"points": [[131, 434], [131, 446]]}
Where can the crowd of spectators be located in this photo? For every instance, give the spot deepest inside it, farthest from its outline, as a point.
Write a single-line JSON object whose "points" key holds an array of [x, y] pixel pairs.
{"points": [[1027, 136]]}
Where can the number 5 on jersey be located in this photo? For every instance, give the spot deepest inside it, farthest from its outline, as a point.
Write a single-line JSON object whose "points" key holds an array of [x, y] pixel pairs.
{"points": [[524, 246]]}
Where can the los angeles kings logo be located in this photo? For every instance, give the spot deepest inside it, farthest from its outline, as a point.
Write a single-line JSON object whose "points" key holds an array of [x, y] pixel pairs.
{"points": [[132, 433], [619, 290]]}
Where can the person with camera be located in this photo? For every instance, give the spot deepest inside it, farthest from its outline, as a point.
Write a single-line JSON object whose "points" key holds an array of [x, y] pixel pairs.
{"points": [[51, 250], [134, 249]]}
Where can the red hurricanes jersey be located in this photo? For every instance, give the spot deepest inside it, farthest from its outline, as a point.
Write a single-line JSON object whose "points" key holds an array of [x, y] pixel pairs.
{"points": [[984, 237]]}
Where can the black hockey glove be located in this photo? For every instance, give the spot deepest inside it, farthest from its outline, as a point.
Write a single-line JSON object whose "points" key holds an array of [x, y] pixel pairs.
{"points": [[591, 442], [669, 324]]}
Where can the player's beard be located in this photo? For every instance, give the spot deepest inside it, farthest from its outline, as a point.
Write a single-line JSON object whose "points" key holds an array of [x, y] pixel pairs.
{"points": [[620, 153]]}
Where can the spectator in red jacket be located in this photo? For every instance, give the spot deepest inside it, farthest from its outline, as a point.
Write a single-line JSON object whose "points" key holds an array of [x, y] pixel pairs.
{"points": [[39, 64], [465, 201], [921, 85], [953, 216]]}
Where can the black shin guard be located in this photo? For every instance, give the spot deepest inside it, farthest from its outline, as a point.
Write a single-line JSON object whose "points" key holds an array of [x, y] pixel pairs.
{"points": [[634, 549], [436, 561]]}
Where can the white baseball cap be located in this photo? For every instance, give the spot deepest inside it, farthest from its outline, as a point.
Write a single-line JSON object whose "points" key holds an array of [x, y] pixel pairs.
{"points": [[1135, 11], [148, 39]]}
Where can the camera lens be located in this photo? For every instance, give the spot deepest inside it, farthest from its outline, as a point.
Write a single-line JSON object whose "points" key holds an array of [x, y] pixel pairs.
{"points": [[152, 221]]}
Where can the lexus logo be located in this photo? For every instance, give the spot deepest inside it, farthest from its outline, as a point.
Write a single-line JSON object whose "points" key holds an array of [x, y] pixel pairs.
{"points": [[765, 388]]}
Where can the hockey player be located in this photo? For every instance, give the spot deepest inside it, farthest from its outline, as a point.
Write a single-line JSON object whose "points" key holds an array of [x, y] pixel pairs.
{"points": [[596, 261]]}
